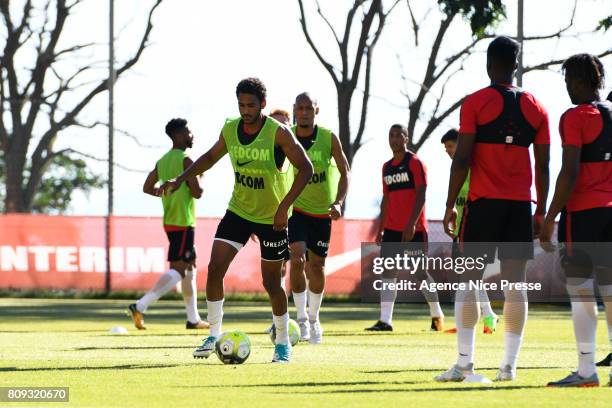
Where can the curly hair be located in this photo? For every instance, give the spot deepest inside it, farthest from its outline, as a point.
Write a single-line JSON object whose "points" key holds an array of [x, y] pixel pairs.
{"points": [[585, 68], [175, 125], [252, 86]]}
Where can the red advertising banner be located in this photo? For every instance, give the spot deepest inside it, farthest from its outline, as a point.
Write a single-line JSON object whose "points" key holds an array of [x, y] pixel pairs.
{"points": [[38, 251]]}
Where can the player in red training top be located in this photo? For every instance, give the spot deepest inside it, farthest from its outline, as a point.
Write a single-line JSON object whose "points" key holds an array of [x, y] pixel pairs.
{"points": [[583, 195], [498, 125], [402, 219]]}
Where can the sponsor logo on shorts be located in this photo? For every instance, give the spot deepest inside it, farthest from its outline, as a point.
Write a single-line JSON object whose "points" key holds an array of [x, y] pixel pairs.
{"points": [[274, 244], [323, 244]]}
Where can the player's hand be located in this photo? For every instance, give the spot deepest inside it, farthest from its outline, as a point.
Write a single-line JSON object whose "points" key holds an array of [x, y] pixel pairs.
{"points": [[408, 233], [545, 235], [254, 238], [335, 211], [157, 191], [280, 219], [169, 187], [538, 222], [450, 222], [378, 238]]}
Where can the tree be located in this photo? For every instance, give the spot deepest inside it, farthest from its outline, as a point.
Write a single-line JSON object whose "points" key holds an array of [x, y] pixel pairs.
{"points": [[346, 78], [34, 107], [440, 70]]}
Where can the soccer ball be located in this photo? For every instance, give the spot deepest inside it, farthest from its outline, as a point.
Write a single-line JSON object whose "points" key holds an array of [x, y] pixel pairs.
{"points": [[294, 333], [233, 347]]}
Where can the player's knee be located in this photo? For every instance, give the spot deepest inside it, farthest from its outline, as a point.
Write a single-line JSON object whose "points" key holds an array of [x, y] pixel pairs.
{"points": [[298, 260], [216, 270]]}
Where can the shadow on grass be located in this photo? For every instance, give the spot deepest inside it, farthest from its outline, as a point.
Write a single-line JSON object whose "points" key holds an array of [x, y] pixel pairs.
{"points": [[131, 348], [305, 384], [426, 370], [467, 388], [82, 368]]}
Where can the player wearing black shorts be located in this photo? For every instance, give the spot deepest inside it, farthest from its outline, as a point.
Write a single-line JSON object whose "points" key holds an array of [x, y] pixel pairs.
{"points": [[313, 212], [583, 196], [402, 219], [498, 125], [261, 203], [179, 221]]}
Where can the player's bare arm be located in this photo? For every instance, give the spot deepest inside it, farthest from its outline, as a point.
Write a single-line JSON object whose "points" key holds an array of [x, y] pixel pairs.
{"points": [[297, 157], [459, 172], [203, 163], [384, 204], [542, 180], [149, 184], [193, 183], [570, 167], [344, 169], [419, 204]]}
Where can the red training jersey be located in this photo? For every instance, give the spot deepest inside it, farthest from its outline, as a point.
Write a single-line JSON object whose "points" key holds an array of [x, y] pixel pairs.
{"points": [[399, 179], [501, 165], [580, 126]]}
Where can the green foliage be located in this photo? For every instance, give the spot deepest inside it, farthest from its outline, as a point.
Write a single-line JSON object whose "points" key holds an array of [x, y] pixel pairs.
{"points": [[64, 176], [605, 24], [480, 13]]}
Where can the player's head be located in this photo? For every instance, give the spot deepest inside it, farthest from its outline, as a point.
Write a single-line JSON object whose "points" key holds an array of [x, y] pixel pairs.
{"points": [[449, 140], [281, 116], [180, 134], [398, 138], [502, 55], [584, 77], [305, 109], [251, 94]]}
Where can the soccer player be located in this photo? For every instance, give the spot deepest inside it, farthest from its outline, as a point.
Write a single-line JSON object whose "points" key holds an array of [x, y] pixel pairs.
{"points": [[261, 202], [402, 219], [583, 196], [313, 212], [498, 124], [449, 140], [179, 222]]}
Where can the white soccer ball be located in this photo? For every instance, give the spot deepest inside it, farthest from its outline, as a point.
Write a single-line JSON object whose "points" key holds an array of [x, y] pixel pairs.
{"points": [[294, 333], [233, 347]]}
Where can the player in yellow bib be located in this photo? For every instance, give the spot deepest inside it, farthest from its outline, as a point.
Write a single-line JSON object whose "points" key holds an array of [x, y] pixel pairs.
{"points": [[313, 212], [179, 222], [258, 147]]}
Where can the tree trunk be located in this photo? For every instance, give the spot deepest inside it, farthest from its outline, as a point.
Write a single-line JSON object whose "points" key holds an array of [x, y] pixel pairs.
{"points": [[344, 123], [15, 162]]}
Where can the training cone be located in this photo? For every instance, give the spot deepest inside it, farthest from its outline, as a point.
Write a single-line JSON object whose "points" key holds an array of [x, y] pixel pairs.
{"points": [[118, 330], [476, 378]]}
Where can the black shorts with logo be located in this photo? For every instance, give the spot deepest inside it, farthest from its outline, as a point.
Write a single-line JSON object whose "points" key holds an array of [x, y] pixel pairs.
{"points": [[272, 244], [392, 236], [181, 245], [587, 236], [491, 222], [314, 231]]}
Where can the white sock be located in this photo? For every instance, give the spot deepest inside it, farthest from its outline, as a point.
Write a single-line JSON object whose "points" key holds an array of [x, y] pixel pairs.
{"points": [[282, 328], [387, 302], [432, 298], [314, 305], [512, 346], [584, 315], [215, 316], [606, 293], [299, 298], [466, 315], [485, 305], [190, 295], [162, 286]]}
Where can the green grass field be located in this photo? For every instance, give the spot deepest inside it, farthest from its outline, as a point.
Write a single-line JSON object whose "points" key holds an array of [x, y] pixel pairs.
{"points": [[65, 343]]}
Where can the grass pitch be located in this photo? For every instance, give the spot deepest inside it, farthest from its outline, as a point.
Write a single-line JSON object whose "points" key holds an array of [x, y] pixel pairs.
{"points": [[65, 343]]}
